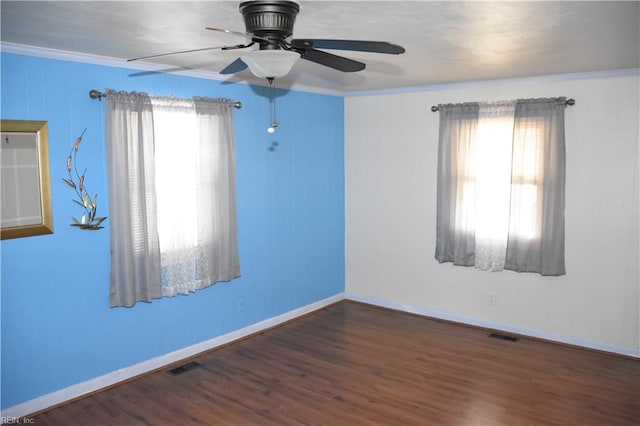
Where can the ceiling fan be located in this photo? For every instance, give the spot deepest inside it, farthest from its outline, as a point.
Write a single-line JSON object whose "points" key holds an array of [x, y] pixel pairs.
{"points": [[269, 24]]}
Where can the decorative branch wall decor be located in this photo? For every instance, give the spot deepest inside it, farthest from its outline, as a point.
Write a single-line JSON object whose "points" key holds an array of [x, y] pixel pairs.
{"points": [[89, 219]]}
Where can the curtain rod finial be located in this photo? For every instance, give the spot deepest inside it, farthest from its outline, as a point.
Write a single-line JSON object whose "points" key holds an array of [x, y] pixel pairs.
{"points": [[94, 94]]}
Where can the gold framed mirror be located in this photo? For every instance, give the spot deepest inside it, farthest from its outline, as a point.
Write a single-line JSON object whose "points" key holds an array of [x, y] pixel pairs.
{"points": [[25, 206]]}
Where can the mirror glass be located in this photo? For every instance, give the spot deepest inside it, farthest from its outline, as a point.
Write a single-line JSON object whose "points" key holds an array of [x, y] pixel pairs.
{"points": [[25, 205]]}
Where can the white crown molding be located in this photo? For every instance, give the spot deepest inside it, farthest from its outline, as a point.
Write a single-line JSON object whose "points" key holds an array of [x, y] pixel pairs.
{"points": [[514, 80], [64, 55]]}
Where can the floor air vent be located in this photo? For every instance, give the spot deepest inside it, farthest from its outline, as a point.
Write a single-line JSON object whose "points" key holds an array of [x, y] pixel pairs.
{"points": [[184, 368], [503, 337]]}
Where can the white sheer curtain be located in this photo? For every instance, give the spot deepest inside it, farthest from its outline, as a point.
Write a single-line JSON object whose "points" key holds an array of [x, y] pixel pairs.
{"points": [[135, 250], [501, 186], [492, 175], [538, 182], [190, 159], [195, 163], [217, 216]]}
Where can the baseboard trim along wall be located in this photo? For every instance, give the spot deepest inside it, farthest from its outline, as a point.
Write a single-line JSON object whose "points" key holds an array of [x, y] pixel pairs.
{"points": [[115, 377], [572, 341]]}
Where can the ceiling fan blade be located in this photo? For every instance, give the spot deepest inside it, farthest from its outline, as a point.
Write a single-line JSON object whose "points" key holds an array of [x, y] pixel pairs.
{"points": [[330, 60], [358, 45], [247, 36], [234, 67], [222, 30], [239, 46]]}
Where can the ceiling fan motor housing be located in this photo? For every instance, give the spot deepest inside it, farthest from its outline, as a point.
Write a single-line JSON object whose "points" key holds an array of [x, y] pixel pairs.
{"points": [[272, 20]]}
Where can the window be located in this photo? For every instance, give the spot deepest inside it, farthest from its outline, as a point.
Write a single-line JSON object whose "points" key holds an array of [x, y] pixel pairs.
{"points": [[178, 194], [172, 195], [526, 180], [501, 186]]}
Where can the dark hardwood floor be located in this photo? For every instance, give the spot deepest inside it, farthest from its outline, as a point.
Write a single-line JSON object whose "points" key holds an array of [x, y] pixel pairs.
{"points": [[353, 364]]}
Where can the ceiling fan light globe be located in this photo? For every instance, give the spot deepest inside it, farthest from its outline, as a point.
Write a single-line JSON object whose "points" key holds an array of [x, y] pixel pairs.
{"points": [[270, 63]]}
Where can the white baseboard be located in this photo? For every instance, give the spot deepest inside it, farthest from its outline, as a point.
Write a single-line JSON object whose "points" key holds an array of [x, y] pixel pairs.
{"points": [[109, 379], [574, 341], [63, 395]]}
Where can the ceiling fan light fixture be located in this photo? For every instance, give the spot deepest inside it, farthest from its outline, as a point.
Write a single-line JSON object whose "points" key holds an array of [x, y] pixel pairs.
{"points": [[270, 63]]}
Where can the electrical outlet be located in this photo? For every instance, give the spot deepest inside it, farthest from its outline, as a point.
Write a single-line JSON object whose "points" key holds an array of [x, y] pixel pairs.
{"points": [[492, 299]]}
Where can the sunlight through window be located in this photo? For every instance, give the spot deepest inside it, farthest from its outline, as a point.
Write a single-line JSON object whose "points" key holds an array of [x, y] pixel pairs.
{"points": [[176, 154], [501, 185]]}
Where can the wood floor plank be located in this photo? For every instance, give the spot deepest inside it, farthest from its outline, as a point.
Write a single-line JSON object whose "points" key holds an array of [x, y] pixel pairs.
{"points": [[354, 364]]}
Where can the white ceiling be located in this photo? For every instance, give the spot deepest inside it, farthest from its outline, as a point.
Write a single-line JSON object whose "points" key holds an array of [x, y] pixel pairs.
{"points": [[446, 42]]}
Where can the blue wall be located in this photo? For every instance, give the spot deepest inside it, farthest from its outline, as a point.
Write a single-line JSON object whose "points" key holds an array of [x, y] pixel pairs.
{"points": [[57, 327]]}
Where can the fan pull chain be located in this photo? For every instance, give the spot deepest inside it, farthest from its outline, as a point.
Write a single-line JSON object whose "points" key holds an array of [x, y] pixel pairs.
{"points": [[272, 104]]}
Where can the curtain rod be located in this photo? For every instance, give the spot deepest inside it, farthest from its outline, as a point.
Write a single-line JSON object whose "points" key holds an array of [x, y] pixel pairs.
{"points": [[567, 102], [95, 94]]}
